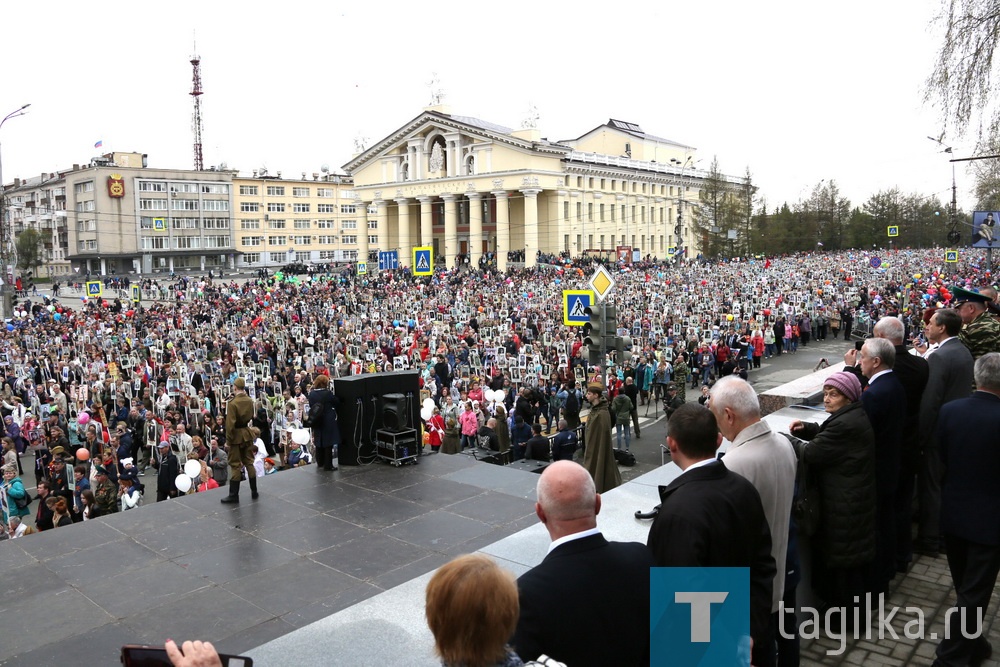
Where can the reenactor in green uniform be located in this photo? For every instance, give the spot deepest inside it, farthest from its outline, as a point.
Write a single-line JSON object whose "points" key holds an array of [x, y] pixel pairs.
{"points": [[239, 439], [981, 333], [681, 375], [105, 493]]}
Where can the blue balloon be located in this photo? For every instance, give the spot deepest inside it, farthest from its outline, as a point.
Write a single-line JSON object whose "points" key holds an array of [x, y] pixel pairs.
{"points": [[57, 316], [10, 327], [558, 281], [395, 323]]}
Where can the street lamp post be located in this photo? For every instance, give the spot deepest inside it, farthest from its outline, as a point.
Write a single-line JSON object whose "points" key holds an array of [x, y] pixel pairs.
{"points": [[6, 237]]}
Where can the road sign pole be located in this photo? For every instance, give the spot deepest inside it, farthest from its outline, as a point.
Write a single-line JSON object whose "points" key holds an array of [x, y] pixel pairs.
{"points": [[604, 337]]}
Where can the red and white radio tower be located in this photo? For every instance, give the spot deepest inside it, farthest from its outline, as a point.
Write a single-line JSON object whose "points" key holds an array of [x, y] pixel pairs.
{"points": [[199, 163]]}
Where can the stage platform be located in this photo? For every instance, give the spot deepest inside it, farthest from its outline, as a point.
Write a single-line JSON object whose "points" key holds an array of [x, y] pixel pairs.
{"points": [[314, 544]]}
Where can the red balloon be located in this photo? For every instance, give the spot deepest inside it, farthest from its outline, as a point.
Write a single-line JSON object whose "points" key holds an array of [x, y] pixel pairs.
{"points": [[104, 303], [130, 313], [82, 454]]}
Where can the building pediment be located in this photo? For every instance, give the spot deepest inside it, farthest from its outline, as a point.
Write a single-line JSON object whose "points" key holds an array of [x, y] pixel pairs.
{"points": [[440, 145]]}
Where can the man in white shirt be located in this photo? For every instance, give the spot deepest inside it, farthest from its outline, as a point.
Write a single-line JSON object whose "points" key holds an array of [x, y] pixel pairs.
{"points": [[571, 602]]}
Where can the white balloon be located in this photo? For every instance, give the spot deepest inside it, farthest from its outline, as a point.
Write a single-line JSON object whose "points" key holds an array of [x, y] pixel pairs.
{"points": [[300, 436], [428, 403], [192, 468], [488, 395], [426, 413], [499, 395], [183, 483]]}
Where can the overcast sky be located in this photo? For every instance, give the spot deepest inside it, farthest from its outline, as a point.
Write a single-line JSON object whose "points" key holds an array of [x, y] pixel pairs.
{"points": [[798, 91]]}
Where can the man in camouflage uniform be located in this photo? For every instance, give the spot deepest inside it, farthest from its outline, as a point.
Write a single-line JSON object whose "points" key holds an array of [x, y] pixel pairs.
{"points": [[681, 374], [105, 492], [981, 333]]}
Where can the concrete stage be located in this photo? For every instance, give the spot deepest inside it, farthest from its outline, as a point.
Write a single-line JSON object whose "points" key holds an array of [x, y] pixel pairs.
{"points": [[313, 545]]}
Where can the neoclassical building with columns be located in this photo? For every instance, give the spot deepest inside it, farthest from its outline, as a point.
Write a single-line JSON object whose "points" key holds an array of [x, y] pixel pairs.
{"points": [[466, 187]]}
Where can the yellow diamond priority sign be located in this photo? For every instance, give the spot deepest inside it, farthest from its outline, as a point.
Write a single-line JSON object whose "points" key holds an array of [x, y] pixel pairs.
{"points": [[602, 283]]}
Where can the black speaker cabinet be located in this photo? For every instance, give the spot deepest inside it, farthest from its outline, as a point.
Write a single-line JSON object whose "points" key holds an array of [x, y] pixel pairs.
{"points": [[361, 405]]}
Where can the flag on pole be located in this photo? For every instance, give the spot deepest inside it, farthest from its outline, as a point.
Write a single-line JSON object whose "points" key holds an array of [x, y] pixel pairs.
{"points": [[98, 144]]}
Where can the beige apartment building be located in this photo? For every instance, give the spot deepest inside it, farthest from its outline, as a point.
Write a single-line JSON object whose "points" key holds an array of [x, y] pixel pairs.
{"points": [[465, 187], [123, 217], [39, 203], [311, 220]]}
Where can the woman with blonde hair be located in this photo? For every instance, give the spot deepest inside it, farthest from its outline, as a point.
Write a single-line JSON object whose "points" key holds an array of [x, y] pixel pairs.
{"points": [[472, 609]]}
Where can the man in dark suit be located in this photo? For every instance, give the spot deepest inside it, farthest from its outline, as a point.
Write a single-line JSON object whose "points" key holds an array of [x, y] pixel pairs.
{"points": [[912, 372], [950, 378], [710, 516], [587, 602], [884, 401], [970, 511]]}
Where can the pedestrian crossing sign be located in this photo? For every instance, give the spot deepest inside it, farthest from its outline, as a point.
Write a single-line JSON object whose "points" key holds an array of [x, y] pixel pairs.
{"points": [[362, 268], [893, 230], [136, 294], [951, 256], [575, 304], [423, 262], [94, 288]]}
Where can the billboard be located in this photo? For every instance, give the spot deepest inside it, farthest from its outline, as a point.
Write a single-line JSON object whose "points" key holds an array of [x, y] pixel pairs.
{"points": [[984, 229]]}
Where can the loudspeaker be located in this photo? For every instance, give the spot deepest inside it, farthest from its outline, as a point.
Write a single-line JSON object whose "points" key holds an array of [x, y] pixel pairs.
{"points": [[395, 416]]}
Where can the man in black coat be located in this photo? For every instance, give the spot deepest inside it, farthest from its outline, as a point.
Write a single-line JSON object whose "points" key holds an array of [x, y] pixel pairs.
{"points": [[710, 516], [167, 469], [951, 376], [912, 372], [970, 511], [632, 391], [587, 602], [885, 404]]}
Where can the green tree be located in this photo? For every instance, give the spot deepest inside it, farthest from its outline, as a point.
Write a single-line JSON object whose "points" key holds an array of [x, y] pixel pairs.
{"points": [[721, 210], [29, 249]]}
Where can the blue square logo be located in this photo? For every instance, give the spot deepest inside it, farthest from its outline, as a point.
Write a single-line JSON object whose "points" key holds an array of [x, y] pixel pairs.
{"points": [[699, 616]]}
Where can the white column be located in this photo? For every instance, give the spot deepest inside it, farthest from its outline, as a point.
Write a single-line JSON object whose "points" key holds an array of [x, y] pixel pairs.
{"points": [[531, 226], [382, 219], [426, 221], [363, 231], [503, 228], [475, 228], [405, 251], [450, 229]]}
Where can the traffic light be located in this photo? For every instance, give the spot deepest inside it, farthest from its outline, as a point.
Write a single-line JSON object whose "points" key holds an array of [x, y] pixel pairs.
{"points": [[601, 327], [624, 346]]}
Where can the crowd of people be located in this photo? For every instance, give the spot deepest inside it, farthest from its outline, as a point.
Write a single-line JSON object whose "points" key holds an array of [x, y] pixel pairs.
{"points": [[97, 392]]}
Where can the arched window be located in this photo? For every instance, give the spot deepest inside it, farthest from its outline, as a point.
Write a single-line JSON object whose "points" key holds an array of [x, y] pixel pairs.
{"points": [[404, 172]]}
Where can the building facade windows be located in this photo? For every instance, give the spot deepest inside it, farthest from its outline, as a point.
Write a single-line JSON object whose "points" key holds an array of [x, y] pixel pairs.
{"points": [[302, 224], [248, 190], [249, 206], [300, 207], [249, 224], [152, 204], [252, 240], [275, 207]]}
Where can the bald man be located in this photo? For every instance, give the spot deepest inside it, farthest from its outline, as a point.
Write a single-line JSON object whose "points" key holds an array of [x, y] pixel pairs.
{"points": [[586, 587]]}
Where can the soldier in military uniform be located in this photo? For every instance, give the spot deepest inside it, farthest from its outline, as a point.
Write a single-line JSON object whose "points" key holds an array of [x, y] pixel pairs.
{"points": [[106, 492], [239, 412], [681, 374], [981, 333], [672, 400]]}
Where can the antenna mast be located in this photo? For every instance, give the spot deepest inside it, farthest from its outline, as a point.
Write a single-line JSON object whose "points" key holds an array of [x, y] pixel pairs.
{"points": [[196, 91]]}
